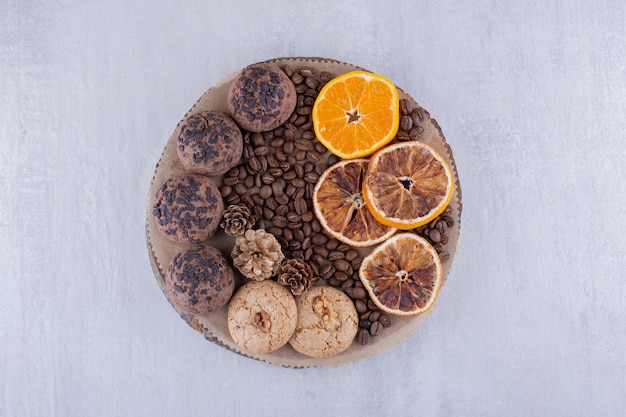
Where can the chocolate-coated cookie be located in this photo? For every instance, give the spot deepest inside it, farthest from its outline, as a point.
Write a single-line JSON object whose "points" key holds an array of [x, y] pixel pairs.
{"points": [[199, 280], [261, 98], [209, 143], [188, 208]]}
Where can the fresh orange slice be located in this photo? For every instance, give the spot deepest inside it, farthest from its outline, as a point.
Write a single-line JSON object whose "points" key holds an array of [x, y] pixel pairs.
{"points": [[340, 209], [402, 275], [407, 185], [356, 113]]}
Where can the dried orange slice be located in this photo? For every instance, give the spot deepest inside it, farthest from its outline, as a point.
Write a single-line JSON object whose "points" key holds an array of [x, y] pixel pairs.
{"points": [[356, 113], [407, 185], [402, 275], [340, 208]]}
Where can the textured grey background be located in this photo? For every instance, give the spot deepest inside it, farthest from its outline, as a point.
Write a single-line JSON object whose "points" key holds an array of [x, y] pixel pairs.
{"points": [[530, 94]]}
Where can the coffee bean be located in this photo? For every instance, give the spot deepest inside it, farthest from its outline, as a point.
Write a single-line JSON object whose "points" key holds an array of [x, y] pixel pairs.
{"points": [[277, 188], [276, 231], [300, 207], [299, 194], [335, 255], [320, 249], [306, 229], [254, 164], [282, 199], [290, 190], [294, 225], [318, 259], [341, 264], [417, 116], [363, 337], [288, 147], [231, 180], [298, 182], [280, 156], [356, 263], [406, 123], [416, 132], [277, 142], [262, 150], [343, 247], [403, 136], [233, 199], [290, 134], [297, 78], [313, 157], [332, 244], [301, 119], [333, 282], [271, 203], [267, 213], [300, 155], [364, 323], [316, 227], [226, 190], [385, 320], [359, 293], [265, 192], [288, 234], [326, 272], [360, 306], [294, 245], [311, 177], [308, 126], [299, 169], [266, 178], [307, 216], [280, 221], [293, 217], [281, 210], [405, 106], [311, 82], [375, 328], [351, 254], [341, 275], [306, 242], [301, 88], [240, 189], [365, 315], [303, 144], [349, 283], [375, 315], [308, 101], [435, 235], [371, 305], [310, 92]]}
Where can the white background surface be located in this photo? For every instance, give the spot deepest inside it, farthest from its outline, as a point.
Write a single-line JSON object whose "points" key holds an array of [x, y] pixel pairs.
{"points": [[531, 96]]}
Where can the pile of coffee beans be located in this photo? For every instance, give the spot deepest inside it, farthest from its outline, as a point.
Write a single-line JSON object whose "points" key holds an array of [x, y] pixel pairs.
{"points": [[276, 180]]}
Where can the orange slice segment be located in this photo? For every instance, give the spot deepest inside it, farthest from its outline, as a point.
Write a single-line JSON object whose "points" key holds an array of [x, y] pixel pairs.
{"points": [[340, 208], [356, 113], [402, 275], [407, 185]]}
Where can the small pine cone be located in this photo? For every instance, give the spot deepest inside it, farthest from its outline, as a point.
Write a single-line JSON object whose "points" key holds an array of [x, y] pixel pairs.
{"points": [[296, 274], [257, 255], [237, 219]]}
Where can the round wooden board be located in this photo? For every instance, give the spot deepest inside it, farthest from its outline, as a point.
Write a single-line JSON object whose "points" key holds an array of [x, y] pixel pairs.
{"points": [[214, 325]]}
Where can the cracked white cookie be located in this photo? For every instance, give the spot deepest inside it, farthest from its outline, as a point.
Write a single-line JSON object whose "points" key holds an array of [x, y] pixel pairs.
{"points": [[262, 316], [327, 322]]}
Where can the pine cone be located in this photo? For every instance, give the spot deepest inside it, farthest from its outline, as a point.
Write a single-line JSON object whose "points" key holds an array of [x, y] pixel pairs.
{"points": [[237, 219], [257, 254], [296, 274]]}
